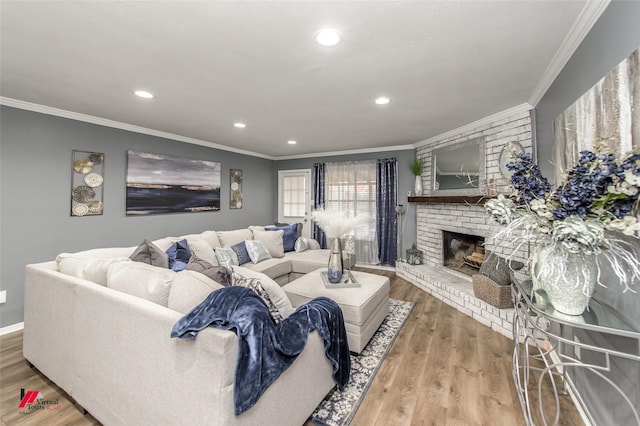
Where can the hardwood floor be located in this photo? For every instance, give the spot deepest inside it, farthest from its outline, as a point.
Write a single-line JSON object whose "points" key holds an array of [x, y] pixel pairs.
{"points": [[444, 369]]}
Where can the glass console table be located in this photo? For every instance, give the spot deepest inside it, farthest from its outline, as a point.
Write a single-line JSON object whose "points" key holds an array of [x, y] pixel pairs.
{"points": [[553, 354]]}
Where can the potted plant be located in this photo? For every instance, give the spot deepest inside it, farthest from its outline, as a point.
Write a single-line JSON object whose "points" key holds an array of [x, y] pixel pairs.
{"points": [[416, 168]]}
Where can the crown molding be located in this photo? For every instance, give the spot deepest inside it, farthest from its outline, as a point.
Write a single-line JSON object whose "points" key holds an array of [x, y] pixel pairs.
{"points": [[581, 27], [471, 127], [16, 103], [347, 152]]}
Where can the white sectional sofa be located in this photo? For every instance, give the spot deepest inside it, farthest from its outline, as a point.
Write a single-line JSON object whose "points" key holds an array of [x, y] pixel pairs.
{"points": [[98, 325]]}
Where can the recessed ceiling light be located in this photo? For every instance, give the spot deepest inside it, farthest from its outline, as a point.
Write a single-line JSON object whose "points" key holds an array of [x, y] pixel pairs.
{"points": [[144, 94], [328, 37], [292, 142], [239, 125], [382, 100]]}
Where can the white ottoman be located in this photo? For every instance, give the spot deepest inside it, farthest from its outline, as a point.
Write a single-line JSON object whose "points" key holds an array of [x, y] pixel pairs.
{"points": [[363, 307]]}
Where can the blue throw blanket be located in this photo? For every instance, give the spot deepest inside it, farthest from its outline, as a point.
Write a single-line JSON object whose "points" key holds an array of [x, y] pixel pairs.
{"points": [[266, 350]]}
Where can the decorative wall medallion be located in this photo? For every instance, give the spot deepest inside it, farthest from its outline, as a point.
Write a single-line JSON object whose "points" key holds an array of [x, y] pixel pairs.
{"points": [[93, 180], [95, 206], [83, 194], [96, 158], [80, 210], [83, 165]]}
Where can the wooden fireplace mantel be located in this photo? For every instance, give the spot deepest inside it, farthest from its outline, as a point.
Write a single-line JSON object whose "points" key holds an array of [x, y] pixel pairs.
{"points": [[451, 199]]}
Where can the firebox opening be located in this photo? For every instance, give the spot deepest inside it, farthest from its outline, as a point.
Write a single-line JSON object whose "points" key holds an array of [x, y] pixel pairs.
{"points": [[461, 252]]}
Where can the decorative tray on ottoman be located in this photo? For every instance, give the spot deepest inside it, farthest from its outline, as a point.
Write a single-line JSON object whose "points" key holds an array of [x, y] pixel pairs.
{"points": [[341, 283]]}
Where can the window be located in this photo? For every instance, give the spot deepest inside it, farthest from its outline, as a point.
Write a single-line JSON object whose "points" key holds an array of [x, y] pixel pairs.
{"points": [[351, 188], [293, 196]]}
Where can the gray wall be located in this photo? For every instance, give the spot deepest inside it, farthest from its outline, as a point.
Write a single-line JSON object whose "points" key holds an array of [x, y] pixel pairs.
{"points": [[406, 181], [613, 38], [35, 170]]}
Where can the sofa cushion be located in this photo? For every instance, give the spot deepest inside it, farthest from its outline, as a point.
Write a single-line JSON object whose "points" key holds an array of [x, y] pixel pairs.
{"points": [[188, 289], [179, 254], [273, 267], [229, 238], [219, 274], [255, 284], [309, 260], [140, 279], [289, 236], [257, 251], [313, 244], [254, 228], [102, 253], [88, 268], [210, 237], [276, 293], [272, 240], [226, 257], [241, 252], [149, 253]]}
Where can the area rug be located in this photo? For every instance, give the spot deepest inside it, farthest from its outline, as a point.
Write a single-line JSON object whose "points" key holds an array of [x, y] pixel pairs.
{"points": [[339, 407]]}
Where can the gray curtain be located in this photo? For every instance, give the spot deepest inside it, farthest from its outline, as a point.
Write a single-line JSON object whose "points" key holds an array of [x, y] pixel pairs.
{"points": [[386, 220], [319, 200]]}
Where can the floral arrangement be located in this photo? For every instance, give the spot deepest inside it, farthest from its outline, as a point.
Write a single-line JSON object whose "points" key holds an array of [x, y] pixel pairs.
{"points": [[585, 214], [334, 223]]}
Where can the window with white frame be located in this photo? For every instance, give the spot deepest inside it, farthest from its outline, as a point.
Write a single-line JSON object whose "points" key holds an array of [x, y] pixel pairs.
{"points": [[351, 187]]}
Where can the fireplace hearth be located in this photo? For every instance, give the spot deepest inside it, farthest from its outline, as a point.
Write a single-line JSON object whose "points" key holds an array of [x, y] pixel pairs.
{"points": [[462, 252]]}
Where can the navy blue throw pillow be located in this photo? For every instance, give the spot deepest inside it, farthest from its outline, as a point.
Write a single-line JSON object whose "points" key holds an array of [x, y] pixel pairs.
{"points": [[241, 251], [179, 254], [290, 235]]}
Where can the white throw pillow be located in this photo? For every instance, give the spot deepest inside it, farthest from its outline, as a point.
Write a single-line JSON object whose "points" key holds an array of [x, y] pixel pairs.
{"points": [[226, 257], [257, 251], [276, 293], [190, 288], [142, 280], [272, 240]]}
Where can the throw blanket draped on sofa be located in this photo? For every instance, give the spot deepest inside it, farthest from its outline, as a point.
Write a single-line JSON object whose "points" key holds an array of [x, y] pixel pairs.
{"points": [[265, 350]]}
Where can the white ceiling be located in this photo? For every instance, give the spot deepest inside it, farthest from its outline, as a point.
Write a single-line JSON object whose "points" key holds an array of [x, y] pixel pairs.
{"points": [[211, 63]]}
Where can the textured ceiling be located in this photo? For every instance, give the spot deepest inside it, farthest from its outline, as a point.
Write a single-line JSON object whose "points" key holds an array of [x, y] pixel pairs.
{"points": [[443, 64]]}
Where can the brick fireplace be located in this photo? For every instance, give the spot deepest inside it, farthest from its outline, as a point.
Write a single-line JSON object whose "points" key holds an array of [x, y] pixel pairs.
{"points": [[434, 219]]}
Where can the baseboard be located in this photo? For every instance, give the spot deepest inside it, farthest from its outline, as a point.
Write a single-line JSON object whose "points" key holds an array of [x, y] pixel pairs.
{"points": [[11, 328]]}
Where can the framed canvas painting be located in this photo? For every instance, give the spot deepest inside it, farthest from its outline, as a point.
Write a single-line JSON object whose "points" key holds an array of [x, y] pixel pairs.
{"points": [[158, 183]]}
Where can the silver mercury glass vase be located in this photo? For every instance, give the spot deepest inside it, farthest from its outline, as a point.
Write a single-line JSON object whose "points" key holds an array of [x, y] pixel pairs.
{"points": [[335, 267]]}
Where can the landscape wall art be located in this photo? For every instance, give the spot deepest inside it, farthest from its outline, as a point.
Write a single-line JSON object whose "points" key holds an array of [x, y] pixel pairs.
{"points": [[158, 183]]}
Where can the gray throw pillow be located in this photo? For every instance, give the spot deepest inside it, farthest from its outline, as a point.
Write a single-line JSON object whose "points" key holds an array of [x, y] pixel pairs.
{"points": [[219, 274], [498, 268], [149, 253]]}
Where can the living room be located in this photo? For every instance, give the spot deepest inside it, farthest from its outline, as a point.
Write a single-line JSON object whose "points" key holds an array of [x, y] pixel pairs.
{"points": [[38, 139]]}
